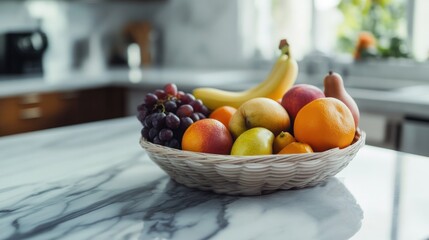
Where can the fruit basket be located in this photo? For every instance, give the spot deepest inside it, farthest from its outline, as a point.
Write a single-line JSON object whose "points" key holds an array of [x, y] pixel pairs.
{"points": [[251, 175]]}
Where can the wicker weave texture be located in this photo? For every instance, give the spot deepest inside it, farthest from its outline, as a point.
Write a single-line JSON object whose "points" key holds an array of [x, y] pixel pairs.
{"points": [[251, 175]]}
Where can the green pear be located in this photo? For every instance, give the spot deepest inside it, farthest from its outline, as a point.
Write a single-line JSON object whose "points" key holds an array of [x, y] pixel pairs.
{"points": [[255, 141]]}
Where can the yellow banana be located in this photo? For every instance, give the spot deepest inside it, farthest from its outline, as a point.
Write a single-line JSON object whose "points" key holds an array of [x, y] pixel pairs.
{"points": [[281, 77]]}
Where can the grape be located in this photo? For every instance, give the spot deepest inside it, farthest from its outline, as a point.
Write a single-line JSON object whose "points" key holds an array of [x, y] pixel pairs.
{"points": [[197, 105], [158, 121], [170, 106], [185, 110], [150, 99], [172, 121], [156, 140], [195, 117], [180, 94], [153, 132], [170, 89], [187, 98], [202, 116], [145, 133], [205, 111], [190, 96], [148, 121], [165, 134], [173, 143], [140, 107], [185, 122], [160, 94], [161, 116], [142, 115], [166, 114]]}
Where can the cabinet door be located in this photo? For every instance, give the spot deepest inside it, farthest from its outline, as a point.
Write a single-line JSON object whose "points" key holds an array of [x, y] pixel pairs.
{"points": [[116, 102], [92, 105], [61, 108], [415, 136], [32, 112], [381, 130], [10, 120], [101, 103]]}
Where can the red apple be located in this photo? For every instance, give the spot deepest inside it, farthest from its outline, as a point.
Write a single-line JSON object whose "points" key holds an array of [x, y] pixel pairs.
{"points": [[298, 96]]}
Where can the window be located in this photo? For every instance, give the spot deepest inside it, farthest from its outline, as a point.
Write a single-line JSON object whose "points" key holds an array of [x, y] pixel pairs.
{"points": [[333, 26], [263, 23], [373, 29], [419, 34]]}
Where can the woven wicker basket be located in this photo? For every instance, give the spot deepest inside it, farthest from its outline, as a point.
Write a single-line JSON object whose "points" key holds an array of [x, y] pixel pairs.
{"points": [[251, 175]]}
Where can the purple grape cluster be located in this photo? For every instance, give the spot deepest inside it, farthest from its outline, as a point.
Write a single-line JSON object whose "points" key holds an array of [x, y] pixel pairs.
{"points": [[166, 113]]}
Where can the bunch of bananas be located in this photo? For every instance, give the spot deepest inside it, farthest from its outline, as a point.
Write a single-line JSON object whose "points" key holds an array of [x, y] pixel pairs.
{"points": [[281, 77]]}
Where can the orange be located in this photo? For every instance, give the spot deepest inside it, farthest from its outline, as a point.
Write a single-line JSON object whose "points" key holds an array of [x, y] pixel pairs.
{"points": [[366, 40], [325, 123], [296, 147], [223, 114], [207, 136], [281, 140]]}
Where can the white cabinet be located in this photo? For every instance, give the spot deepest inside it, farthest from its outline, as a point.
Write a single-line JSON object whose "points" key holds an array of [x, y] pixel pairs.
{"points": [[381, 129], [415, 136]]}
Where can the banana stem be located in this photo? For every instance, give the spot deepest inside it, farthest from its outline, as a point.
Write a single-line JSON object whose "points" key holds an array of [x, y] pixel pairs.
{"points": [[284, 47]]}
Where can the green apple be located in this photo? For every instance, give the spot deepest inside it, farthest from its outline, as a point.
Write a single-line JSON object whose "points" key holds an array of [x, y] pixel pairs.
{"points": [[255, 141], [259, 112]]}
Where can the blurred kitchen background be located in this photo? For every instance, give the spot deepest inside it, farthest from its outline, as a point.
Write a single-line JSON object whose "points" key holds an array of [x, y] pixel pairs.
{"points": [[66, 62]]}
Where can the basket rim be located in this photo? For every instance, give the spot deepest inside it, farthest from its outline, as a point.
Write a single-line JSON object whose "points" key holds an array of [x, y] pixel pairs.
{"points": [[358, 142]]}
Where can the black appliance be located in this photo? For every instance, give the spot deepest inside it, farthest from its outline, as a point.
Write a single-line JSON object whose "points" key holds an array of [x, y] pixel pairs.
{"points": [[22, 52]]}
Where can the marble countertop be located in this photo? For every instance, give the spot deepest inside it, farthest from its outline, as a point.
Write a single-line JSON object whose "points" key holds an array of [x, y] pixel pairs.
{"points": [[94, 181], [403, 100]]}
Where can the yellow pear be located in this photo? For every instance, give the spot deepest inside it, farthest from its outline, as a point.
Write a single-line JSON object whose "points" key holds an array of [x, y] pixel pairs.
{"points": [[255, 141]]}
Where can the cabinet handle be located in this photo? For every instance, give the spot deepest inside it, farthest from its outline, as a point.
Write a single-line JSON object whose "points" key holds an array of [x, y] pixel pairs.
{"points": [[31, 113], [30, 98]]}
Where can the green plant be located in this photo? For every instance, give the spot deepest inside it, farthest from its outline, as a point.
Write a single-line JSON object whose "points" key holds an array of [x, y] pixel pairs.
{"points": [[385, 19]]}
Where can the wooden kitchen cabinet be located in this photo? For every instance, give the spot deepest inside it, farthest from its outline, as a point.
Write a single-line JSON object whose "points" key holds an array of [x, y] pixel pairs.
{"points": [[103, 103], [36, 111]]}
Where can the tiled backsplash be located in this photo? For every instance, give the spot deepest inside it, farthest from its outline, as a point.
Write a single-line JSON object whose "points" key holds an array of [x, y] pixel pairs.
{"points": [[195, 33], [201, 33], [14, 16]]}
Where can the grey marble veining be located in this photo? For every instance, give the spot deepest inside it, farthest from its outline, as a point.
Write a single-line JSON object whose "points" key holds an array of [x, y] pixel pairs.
{"points": [[107, 205], [93, 181]]}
